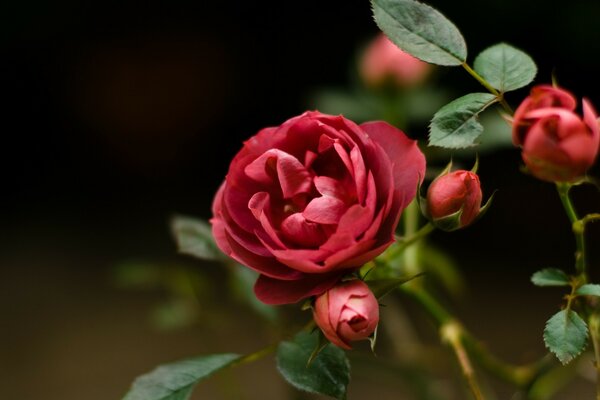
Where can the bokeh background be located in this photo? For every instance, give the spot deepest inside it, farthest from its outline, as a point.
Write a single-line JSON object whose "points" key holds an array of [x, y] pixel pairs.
{"points": [[117, 114]]}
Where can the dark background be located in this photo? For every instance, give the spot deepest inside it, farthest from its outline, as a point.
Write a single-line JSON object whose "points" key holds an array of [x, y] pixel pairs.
{"points": [[116, 115]]}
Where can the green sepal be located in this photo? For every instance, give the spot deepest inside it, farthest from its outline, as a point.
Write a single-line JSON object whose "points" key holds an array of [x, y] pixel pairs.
{"points": [[450, 222], [485, 207], [476, 165], [422, 202], [382, 287], [373, 339], [587, 180], [307, 305]]}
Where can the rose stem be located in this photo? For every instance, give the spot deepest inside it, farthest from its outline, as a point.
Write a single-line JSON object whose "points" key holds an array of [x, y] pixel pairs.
{"points": [[412, 267], [578, 227], [594, 322], [522, 376], [490, 88]]}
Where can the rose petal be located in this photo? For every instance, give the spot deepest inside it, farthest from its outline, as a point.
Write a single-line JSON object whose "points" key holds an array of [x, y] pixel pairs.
{"points": [[265, 265], [408, 162], [274, 291], [590, 117], [293, 177], [298, 230], [324, 210]]}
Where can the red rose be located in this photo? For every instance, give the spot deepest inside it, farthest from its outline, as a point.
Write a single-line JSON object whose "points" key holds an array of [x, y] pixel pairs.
{"points": [[346, 313], [558, 145], [313, 199], [454, 192]]}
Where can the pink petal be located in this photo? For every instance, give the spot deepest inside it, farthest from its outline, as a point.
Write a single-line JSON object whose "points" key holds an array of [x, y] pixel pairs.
{"points": [[330, 187], [359, 173], [293, 176], [308, 261], [298, 230], [324, 210], [274, 291], [408, 162], [265, 265], [591, 120], [260, 205]]}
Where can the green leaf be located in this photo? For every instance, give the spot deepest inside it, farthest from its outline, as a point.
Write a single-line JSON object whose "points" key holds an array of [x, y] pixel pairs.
{"points": [[194, 238], [382, 287], [327, 374], [176, 381], [566, 335], [550, 277], [456, 125], [589, 289], [505, 67], [421, 31]]}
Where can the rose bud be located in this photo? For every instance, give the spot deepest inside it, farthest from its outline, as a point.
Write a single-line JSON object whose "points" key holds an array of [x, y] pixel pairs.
{"points": [[557, 144], [454, 200], [383, 62], [346, 313], [313, 199]]}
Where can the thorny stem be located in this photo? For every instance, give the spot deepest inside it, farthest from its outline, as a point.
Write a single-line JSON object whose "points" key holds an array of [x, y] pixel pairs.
{"points": [[578, 229], [490, 88], [451, 332], [521, 376], [594, 322]]}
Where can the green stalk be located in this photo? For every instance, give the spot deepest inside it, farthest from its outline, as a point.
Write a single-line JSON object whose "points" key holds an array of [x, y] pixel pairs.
{"points": [[521, 376], [411, 250], [594, 323], [490, 88], [578, 227]]}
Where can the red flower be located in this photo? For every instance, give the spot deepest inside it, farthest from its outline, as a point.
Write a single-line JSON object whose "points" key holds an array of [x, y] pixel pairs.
{"points": [[346, 313], [558, 145], [313, 199], [454, 192]]}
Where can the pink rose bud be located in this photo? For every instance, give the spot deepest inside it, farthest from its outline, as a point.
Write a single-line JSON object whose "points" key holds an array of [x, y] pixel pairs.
{"points": [[347, 312], [384, 62], [557, 144], [313, 199], [448, 194]]}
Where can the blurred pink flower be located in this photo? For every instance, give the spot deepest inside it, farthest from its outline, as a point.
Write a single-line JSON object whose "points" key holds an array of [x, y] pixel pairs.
{"points": [[384, 62]]}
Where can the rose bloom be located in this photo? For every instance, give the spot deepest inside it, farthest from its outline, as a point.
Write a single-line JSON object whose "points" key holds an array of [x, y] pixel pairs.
{"points": [[558, 145], [452, 192], [384, 62], [313, 199], [347, 312]]}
